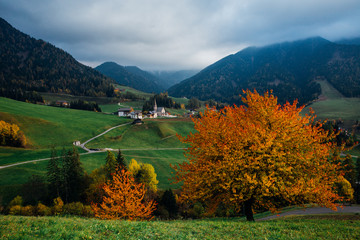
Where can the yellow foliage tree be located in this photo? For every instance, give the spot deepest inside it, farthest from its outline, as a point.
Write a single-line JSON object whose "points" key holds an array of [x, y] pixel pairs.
{"points": [[10, 135], [144, 173], [256, 154], [123, 199]]}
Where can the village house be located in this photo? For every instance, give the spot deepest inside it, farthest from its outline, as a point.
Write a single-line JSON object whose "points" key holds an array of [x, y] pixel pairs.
{"points": [[137, 114], [125, 112], [62, 103]]}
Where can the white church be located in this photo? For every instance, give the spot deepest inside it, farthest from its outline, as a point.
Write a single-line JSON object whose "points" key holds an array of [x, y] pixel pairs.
{"points": [[158, 112]]}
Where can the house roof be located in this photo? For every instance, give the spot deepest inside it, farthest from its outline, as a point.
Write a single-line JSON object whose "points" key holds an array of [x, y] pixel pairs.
{"points": [[160, 109]]}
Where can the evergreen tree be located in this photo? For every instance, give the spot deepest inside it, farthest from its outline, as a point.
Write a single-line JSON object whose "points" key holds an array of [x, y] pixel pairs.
{"points": [[121, 160], [110, 165], [194, 103], [357, 185], [73, 176], [349, 169], [54, 175], [169, 202]]}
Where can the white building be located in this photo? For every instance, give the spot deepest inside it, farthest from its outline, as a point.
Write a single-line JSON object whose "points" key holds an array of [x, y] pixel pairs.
{"points": [[125, 112]]}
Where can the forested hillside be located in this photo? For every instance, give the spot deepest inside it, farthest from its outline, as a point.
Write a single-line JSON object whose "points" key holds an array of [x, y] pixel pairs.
{"points": [[28, 64], [130, 76], [289, 69]]}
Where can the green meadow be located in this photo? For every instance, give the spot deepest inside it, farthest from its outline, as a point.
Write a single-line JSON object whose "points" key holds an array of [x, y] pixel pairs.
{"points": [[154, 142], [333, 105], [313, 227]]}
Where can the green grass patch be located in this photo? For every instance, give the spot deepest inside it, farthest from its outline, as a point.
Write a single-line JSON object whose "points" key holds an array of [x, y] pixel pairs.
{"points": [[19, 227], [159, 133], [332, 104], [45, 126], [161, 160]]}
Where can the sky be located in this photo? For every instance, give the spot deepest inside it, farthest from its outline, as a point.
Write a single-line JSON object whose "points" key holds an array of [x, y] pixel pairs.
{"points": [[176, 34]]}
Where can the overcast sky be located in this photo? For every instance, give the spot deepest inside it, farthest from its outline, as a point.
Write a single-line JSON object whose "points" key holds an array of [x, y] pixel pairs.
{"points": [[176, 34]]}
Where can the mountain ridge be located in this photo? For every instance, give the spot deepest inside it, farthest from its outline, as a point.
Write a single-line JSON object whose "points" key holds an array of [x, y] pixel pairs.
{"points": [[131, 76], [35, 65], [288, 68]]}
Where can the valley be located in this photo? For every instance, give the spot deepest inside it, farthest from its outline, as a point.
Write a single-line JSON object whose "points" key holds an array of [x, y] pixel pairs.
{"points": [[154, 142], [179, 120]]}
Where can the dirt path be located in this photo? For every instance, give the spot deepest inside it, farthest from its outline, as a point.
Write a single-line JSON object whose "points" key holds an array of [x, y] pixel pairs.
{"points": [[37, 160], [82, 145], [315, 210]]}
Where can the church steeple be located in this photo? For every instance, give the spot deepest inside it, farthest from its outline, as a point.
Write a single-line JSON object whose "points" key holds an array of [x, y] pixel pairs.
{"points": [[155, 106]]}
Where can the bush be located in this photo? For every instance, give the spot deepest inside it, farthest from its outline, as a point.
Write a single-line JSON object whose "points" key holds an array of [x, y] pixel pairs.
{"points": [[43, 210], [15, 210], [74, 208], [196, 211], [58, 206], [10, 135], [88, 212], [18, 200], [28, 210]]}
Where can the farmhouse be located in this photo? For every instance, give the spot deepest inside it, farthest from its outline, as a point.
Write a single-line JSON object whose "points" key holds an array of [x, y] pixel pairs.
{"points": [[62, 103], [125, 112], [136, 114]]}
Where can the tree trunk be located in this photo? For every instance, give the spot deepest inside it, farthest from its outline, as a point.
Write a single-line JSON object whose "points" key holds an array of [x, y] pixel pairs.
{"points": [[248, 209]]}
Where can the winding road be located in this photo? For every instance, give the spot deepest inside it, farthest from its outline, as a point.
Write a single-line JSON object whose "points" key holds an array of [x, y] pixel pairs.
{"points": [[86, 142], [89, 151], [314, 211]]}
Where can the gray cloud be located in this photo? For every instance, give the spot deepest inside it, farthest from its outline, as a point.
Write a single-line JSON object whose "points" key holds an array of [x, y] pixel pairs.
{"points": [[163, 34]]}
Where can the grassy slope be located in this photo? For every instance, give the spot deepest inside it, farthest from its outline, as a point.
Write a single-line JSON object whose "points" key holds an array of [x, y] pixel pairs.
{"points": [[335, 106], [45, 126], [17, 227]]}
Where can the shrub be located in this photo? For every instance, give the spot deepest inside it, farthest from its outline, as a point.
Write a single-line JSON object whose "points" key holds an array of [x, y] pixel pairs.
{"points": [[15, 210], [28, 210], [18, 200], [196, 211], [58, 206], [74, 208], [88, 212], [43, 210]]}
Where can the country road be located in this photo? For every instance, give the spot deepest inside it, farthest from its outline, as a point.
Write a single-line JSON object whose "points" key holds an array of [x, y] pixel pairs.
{"points": [[313, 211], [82, 145]]}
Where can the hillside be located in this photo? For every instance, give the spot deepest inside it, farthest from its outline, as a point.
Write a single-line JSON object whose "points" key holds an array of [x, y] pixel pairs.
{"points": [[154, 142], [350, 41], [170, 78], [130, 76], [30, 64], [289, 69]]}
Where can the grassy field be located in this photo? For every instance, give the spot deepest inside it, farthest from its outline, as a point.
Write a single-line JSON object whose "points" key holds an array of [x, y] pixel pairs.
{"points": [[50, 126], [159, 133], [18, 227], [334, 106], [45, 126]]}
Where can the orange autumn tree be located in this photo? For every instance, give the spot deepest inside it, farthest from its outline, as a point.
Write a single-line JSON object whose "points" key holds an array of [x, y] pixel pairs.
{"points": [[123, 199], [258, 154]]}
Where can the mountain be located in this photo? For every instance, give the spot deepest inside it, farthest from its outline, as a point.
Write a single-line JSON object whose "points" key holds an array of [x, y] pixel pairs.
{"points": [[350, 41], [169, 78], [35, 65], [130, 76], [289, 69]]}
